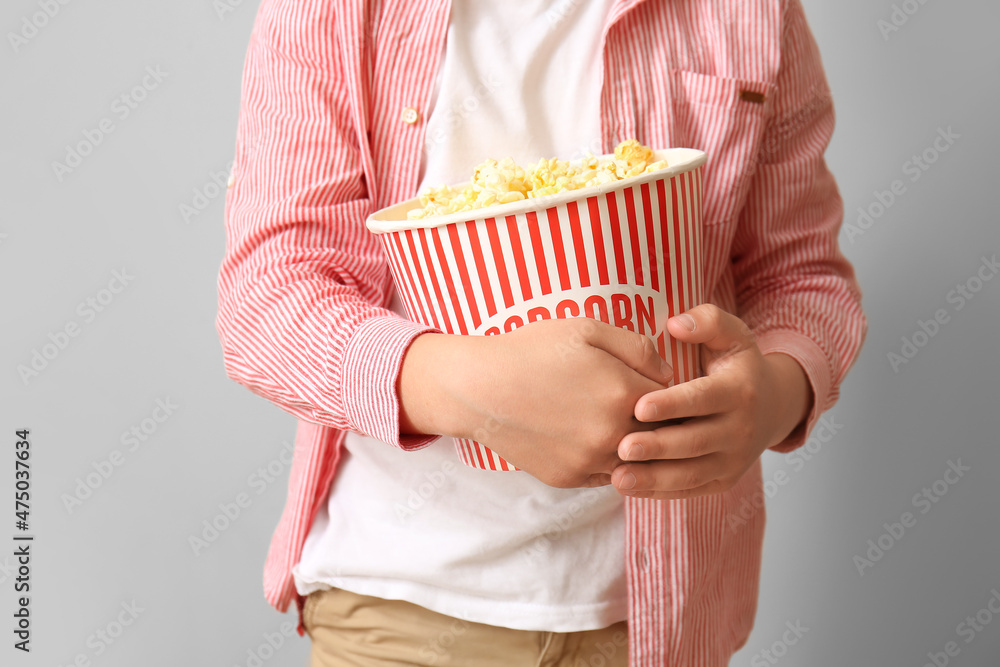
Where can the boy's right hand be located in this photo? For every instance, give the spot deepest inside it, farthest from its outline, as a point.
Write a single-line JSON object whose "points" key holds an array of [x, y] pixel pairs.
{"points": [[554, 397]]}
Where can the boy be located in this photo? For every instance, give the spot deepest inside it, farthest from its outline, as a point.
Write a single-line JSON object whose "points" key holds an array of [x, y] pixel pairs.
{"points": [[616, 530]]}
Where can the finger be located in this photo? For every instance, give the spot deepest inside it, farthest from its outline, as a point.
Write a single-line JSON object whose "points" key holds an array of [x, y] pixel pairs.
{"points": [[634, 350], [597, 479], [700, 397], [692, 439], [708, 324], [666, 476]]}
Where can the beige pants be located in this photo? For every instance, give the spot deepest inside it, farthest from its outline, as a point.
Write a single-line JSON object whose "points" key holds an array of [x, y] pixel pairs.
{"points": [[351, 630]]}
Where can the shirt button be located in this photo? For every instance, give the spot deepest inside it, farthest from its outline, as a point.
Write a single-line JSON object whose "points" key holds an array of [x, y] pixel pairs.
{"points": [[410, 115]]}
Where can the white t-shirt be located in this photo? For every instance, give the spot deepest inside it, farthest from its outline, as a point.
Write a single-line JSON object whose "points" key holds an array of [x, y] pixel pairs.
{"points": [[520, 79]]}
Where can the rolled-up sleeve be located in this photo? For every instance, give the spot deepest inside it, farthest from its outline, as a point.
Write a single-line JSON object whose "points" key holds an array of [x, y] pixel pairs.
{"points": [[303, 285], [794, 287]]}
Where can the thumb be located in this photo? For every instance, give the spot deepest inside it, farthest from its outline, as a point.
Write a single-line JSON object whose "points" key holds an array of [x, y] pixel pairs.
{"points": [[711, 326], [634, 350]]}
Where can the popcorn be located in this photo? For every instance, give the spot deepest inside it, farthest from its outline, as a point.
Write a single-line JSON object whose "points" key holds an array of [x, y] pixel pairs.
{"points": [[504, 182]]}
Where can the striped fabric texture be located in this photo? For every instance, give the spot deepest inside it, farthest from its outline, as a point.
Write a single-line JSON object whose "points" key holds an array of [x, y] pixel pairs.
{"points": [[332, 122]]}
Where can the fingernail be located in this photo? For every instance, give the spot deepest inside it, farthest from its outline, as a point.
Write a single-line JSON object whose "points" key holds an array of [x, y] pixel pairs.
{"points": [[648, 412], [665, 369], [628, 481], [635, 453], [686, 321]]}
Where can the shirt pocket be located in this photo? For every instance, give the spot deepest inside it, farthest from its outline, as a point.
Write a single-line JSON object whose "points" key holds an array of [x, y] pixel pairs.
{"points": [[725, 117]]}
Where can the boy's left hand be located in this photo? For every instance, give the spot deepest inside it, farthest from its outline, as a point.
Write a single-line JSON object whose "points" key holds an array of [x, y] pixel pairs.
{"points": [[745, 403]]}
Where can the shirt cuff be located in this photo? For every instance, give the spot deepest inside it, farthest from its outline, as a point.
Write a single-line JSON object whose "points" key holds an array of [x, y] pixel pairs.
{"points": [[817, 369], [371, 364]]}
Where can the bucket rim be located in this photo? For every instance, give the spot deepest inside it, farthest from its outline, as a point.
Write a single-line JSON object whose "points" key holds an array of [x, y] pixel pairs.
{"points": [[393, 218]]}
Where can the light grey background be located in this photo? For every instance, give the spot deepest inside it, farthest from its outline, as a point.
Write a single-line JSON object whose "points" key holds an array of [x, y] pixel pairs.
{"points": [[894, 430]]}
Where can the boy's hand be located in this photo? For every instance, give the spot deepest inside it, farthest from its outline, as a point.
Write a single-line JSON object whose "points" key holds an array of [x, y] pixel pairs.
{"points": [[554, 397], [746, 403]]}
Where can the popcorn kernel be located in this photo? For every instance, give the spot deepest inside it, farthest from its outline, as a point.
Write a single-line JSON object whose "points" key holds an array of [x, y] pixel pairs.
{"points": [[504, 181]]}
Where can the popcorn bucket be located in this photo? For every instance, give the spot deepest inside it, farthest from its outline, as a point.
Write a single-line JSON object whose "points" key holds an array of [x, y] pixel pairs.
{"points": [[628, 253]]}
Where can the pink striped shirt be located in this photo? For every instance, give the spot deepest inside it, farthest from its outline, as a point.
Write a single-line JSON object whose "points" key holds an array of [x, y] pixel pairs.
{"points": [[304, 287]]}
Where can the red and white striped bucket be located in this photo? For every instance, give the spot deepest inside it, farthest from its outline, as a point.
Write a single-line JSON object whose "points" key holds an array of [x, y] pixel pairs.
{"points": [[628, 253]]}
